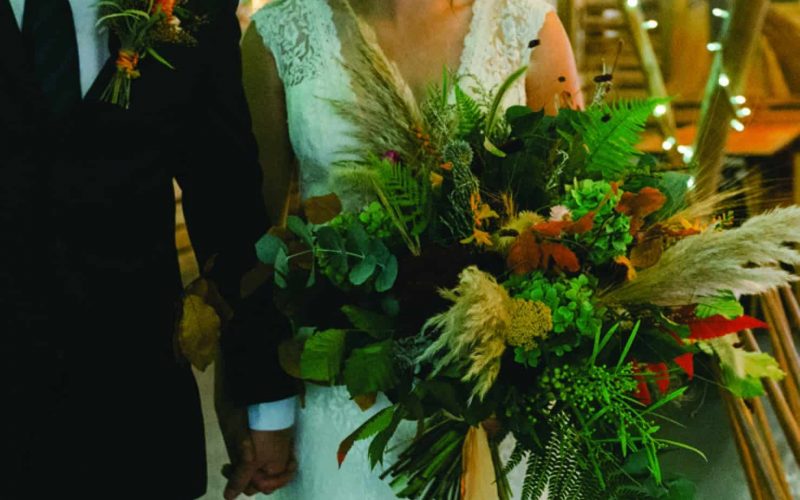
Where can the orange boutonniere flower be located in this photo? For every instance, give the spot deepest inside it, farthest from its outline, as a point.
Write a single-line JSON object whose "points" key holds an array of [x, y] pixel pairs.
{"points": [[166, 6]]}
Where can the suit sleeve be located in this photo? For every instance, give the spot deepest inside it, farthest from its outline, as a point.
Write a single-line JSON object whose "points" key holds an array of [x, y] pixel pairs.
{"points": [[225, 212]]}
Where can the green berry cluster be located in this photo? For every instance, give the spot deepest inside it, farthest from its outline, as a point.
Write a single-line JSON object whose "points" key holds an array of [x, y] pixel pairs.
{"points": [[610, 236], [591, 388], [373, 217], [569, 300]]}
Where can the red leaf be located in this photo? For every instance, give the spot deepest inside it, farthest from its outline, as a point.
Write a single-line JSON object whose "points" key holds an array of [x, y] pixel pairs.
{"points": [[563, 257], [583, 225], [717, 326], [686, 362], [642, 392], [524, 255], [553, 228], [661, 372]]}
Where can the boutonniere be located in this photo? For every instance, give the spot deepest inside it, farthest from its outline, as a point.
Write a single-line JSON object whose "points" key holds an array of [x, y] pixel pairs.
{"points": [[140, 25]]}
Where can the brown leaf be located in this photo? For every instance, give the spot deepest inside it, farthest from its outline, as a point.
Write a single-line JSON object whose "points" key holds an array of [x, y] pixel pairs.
{"points": [[563, 257], [321, 209], [583, 225], [289, 353], [366, 401], [647, 252], [642, 204], [553, 228], [524, 255]]}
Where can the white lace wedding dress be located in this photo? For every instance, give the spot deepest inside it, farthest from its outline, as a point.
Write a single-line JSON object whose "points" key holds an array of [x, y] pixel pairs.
{"points": [[303, 37]]}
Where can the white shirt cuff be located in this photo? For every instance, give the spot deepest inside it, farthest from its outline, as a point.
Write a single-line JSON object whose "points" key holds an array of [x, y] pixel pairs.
{"points": [[272, 416]]}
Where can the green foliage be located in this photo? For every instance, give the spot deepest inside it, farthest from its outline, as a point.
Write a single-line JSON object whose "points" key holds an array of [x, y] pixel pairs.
{"points": [[725, 304], [435, 453], [575, 315], [610, 236], [493, 118], [374, 219], [405, 197], [602, 139], [322, 355], [374, 425], [557, 469], [370, 369], [742, 371], [470, 115], [376, 325]]}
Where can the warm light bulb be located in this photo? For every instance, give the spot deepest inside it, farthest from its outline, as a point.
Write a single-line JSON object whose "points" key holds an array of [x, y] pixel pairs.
{"points": [[660, 110], [668, 144], [737, 125], [650, 25], [744, 112], [721, 13], [738, 100], [633, 3], [687, 152], [724, 81], [714, 46]]}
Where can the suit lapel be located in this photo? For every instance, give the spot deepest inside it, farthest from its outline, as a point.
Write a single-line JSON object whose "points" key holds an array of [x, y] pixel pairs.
{"points": [[12, 57]]}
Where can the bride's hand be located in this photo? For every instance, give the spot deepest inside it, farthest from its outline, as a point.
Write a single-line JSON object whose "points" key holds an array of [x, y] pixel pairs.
{"points": [[266, 463]]}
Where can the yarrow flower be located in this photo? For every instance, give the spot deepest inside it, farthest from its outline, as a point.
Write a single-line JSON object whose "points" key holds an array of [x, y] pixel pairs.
{"points": [[531, 321]]}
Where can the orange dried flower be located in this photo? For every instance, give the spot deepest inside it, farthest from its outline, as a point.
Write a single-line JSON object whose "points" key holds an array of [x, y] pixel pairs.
{"points": [[165, 6], [127, 62]]}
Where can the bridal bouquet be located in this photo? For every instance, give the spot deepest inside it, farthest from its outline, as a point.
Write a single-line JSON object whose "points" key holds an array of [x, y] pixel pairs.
{"points": [[507, 273]]}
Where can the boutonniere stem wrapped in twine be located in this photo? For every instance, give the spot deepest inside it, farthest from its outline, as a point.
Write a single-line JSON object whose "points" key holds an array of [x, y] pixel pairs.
{"points": [[140, 25]]}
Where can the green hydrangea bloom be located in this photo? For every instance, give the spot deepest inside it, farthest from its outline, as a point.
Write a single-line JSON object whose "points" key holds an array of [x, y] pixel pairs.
{"points": [[610, 236]]}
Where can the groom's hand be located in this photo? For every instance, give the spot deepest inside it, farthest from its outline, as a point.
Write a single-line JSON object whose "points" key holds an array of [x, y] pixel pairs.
{"points": [[265, 463]]}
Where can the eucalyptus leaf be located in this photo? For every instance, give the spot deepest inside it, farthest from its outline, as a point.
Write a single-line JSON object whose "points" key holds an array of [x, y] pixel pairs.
{"points": [[364, 270], [297, 226], [387, 276], [281, 268], [267, 248]]}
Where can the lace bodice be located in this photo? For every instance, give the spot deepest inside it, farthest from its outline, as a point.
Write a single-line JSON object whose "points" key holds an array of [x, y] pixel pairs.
{"points": [[303, 39]]}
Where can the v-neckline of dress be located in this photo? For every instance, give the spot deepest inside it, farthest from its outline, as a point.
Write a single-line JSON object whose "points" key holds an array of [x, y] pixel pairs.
{"points": [[466, 45]]}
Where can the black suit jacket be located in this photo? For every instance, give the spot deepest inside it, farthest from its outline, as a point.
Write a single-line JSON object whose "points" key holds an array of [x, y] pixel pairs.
{"points": [[90, 285]]}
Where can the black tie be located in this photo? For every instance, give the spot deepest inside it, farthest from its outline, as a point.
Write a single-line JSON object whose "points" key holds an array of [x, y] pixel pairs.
{"points": [[49, 33]]}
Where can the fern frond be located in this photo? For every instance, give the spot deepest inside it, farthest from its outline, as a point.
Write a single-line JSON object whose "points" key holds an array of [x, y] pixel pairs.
{"points": [[515, 458], [470, 115], [608, 134]]}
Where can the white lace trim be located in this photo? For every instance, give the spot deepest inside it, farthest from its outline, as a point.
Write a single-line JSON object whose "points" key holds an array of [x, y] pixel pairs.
{"points": [[300, 34]]}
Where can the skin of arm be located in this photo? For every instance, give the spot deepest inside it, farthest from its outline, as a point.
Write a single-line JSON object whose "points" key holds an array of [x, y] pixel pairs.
{"points": [[552, 61], [267, 102]]}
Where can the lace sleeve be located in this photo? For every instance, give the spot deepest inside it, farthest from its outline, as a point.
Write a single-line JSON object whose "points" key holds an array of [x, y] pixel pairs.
{"points": [[297, 32], [521, 21]]}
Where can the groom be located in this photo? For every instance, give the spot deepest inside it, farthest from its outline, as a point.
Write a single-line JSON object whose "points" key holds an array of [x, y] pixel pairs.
{"points": [[98, 402]]}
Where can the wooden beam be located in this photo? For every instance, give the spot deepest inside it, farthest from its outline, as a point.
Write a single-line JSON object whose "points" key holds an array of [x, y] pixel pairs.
{"points": [[649, 61], [739, 43]]}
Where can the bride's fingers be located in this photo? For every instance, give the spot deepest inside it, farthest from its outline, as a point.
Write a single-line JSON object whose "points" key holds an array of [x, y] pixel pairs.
{"points": [[269, 483], [243, 473]]}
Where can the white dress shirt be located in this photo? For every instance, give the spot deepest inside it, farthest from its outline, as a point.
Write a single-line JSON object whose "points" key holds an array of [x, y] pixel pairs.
{"points": [[92, 42], [92, 55]]}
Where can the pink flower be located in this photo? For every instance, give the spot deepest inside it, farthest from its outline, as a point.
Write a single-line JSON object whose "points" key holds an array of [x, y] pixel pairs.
{"points": [[391, 155], [560, 213]]}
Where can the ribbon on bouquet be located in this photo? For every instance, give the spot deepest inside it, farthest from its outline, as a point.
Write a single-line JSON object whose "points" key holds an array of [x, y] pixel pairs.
{"points": [[478, 480]]}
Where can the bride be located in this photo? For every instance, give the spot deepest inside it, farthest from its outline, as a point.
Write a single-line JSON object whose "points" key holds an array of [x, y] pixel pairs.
{"points": [[293, 68]]}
